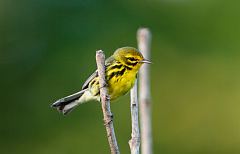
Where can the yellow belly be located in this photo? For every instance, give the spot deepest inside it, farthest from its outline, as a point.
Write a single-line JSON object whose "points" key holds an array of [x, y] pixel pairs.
{"points": [[120, 85]]}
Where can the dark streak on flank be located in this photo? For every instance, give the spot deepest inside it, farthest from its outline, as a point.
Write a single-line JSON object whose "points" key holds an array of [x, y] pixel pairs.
{"points": [[128, 68], [98, 93], [116, 66], [118, 73], [97, 83], [93, 81]]}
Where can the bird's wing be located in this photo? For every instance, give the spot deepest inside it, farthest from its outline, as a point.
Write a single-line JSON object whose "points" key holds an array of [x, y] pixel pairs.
{"points": [[109, 61], [95, 74], [85, 85]]}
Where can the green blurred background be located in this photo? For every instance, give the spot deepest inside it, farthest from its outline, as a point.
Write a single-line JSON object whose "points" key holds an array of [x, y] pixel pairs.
{"points": [[47, 50]]}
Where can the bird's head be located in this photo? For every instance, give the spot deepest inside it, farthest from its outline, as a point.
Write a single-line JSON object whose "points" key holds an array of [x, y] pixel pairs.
{"points": [[130, 57]]}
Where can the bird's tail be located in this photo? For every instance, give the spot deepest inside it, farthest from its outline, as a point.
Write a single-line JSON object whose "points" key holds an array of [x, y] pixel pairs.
{"points": [[67, 104]]}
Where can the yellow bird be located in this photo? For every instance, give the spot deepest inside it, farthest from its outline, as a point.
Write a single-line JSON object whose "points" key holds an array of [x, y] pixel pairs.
{"points": [[121, 71]]}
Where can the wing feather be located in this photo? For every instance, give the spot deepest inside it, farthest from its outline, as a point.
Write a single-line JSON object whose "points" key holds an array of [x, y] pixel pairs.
{"points": [[108, 62], [85, 85]]}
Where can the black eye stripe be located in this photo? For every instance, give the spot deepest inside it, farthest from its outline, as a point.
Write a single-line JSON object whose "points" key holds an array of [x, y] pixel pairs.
{"points": [[131, 63], [131, 58]]}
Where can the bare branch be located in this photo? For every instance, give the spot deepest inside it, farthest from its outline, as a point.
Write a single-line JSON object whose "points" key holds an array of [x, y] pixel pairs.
{"points": [[105, 99], [144, 43], [134, 143]]}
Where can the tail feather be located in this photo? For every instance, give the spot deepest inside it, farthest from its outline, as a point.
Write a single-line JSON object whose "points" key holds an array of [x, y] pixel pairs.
{"points": [[67, 104]]}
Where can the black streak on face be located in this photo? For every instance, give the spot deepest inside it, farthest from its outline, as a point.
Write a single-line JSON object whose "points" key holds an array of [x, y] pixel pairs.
{"points": [[131, 63]]}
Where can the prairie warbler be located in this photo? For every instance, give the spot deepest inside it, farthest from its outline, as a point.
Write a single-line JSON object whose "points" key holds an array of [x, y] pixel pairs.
{"points": [[121, 72]]}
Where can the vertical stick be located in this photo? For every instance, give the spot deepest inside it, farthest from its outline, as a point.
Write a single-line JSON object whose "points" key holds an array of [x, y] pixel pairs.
{"points": [[134, 143], [108, 117], [144, 42]]}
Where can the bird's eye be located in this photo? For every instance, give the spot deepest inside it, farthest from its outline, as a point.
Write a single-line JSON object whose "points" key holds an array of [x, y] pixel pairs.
{"points": [[131, 59]]}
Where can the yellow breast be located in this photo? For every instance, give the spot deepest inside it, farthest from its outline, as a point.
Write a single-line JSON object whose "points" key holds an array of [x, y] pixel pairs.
{"points": [[119, 85]]}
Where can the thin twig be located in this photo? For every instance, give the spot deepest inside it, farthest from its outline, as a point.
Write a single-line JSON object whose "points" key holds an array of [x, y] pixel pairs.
{"points": [[105, 99], [144, 43], [134, 143]]}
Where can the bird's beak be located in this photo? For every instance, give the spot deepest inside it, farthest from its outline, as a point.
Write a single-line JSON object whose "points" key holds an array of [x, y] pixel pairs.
{"points": [[146, 61]]}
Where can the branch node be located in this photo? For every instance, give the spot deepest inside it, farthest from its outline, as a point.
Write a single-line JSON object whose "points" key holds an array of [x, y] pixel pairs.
{"points": [[108, 119]]}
